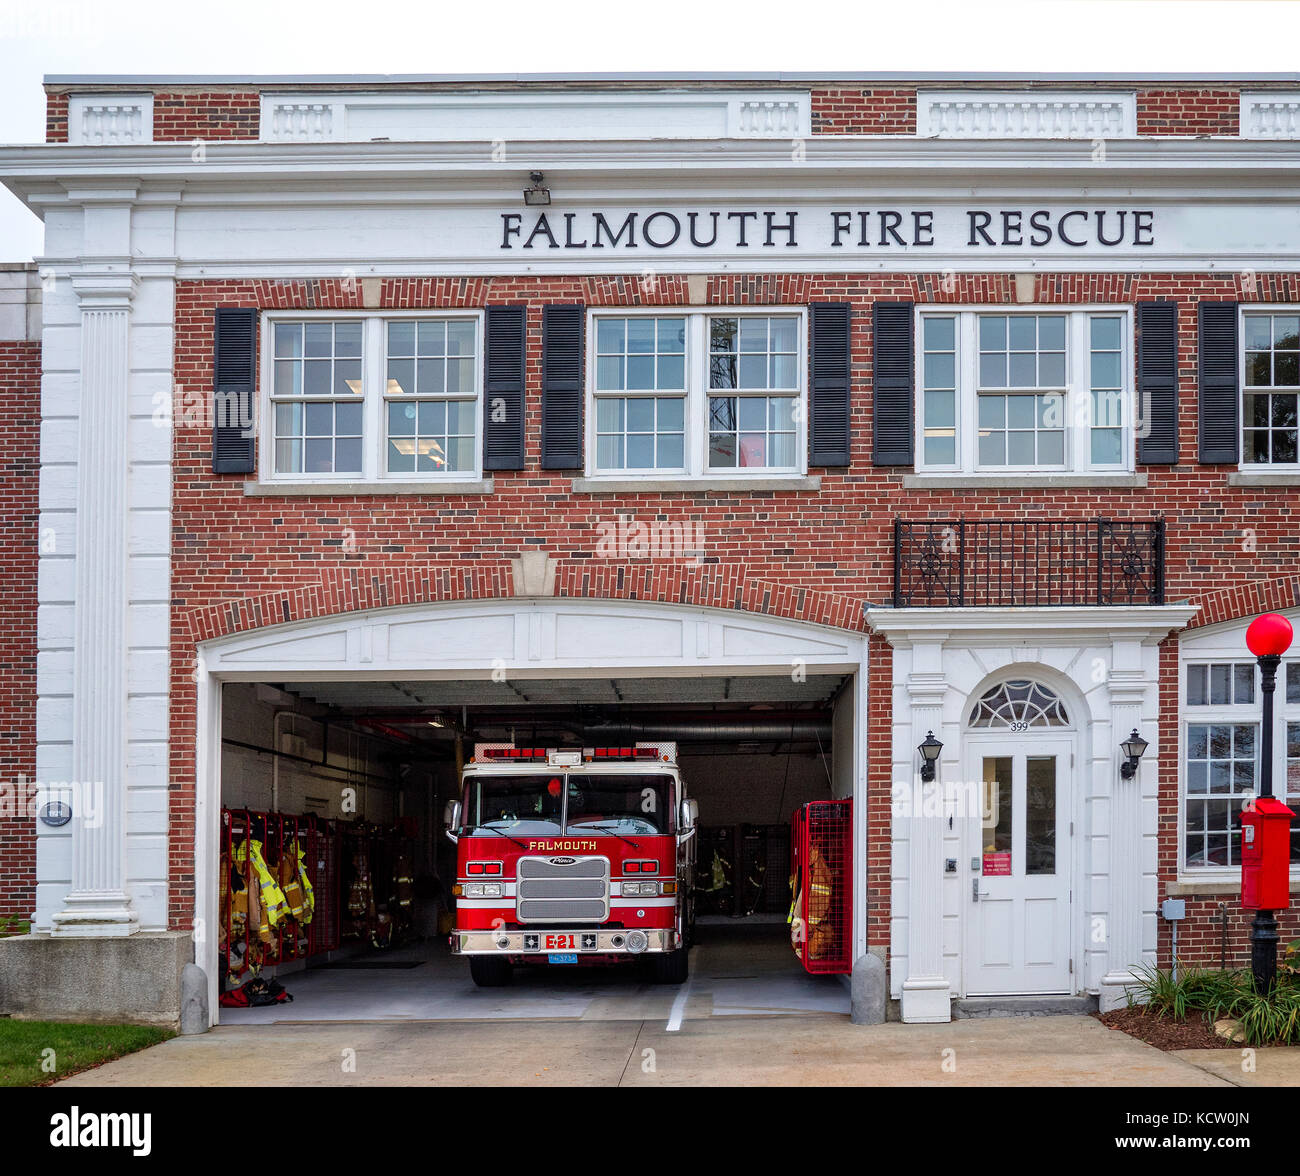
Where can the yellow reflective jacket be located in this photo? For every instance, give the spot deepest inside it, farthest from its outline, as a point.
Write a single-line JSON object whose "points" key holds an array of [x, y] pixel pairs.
{"points": [[308, 894], [273, 903]]}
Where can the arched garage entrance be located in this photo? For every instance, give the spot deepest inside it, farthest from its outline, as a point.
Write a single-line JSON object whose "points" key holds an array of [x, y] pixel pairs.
{"points": [[519, 661]]}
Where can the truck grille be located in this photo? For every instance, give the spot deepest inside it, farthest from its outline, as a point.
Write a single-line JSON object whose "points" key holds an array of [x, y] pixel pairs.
{"points": [[558, 891]]}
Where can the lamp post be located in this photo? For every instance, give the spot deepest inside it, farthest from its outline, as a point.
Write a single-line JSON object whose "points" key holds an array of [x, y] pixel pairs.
{"points": [[1268, 638]]}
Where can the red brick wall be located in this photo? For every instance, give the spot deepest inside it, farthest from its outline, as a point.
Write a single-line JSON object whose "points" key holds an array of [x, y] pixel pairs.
{"points": [[56, 118], [241, 562], [218, 115], [855, 111], [1188, 112], [20, 389]]}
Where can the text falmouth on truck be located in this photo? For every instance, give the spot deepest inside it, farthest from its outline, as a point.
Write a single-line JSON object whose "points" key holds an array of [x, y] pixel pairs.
{"points": [[573, 857]]}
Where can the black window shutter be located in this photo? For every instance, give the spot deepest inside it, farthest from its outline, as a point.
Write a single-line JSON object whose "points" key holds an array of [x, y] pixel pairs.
{"points": [[562, 328], [234, 368], [1220, 397], [892, 429], [503, 410], [828, 410], [1157, 382]]}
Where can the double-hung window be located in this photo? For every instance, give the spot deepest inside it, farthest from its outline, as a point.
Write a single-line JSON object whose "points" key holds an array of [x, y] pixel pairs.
{"points": [[696, 394], [372, 397], [1270, 387], [1221, 755], [1012, 391]]}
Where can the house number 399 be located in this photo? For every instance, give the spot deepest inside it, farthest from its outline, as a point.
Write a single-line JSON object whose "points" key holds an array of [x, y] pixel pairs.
{"points": [[1020, 726]]}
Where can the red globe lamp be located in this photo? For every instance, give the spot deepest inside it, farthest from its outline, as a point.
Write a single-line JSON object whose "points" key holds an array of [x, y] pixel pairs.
{"points": [[1269, 635]]}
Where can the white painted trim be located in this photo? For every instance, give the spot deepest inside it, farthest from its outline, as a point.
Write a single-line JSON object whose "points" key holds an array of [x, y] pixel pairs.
{"points": [[1026, 114], [1055, 626], [1102, 480], [507, 117], [781, 483], [1270, 116], [97, 120]]}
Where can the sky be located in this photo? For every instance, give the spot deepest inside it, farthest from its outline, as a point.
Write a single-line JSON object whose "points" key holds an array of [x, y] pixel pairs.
{"points": [[39, 37]]}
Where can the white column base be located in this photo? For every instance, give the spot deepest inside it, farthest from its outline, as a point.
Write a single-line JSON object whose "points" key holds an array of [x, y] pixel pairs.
{"points": [[95, 916], [926, 1000], [1113, 990]]}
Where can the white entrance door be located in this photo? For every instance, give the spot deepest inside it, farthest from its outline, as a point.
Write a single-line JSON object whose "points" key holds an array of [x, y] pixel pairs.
{"points": [[1018, 897]]}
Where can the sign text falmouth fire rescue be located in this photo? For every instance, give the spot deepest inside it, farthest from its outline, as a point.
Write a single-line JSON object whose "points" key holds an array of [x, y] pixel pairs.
{"points": [[886, 228]]}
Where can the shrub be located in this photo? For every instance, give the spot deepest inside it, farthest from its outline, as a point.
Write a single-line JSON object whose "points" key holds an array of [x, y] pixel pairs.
{"points": [[1265, 1019]]}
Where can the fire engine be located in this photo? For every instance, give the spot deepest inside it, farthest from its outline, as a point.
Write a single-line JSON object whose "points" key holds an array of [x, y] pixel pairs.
{"points": [[573, 856]]}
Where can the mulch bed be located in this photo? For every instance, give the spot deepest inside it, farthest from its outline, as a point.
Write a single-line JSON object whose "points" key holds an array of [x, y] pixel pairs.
{"points": [[1166, 1032]]}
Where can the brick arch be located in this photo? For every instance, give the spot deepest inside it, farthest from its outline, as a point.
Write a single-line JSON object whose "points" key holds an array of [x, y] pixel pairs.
{"points": [[1244, 600], [357, 589]]}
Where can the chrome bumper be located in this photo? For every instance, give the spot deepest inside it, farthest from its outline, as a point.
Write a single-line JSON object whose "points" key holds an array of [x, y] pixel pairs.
{"points": [[533, 943]]}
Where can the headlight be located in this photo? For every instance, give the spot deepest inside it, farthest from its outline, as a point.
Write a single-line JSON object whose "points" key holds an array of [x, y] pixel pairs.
{"points": [[640, 889], [482, 890]]}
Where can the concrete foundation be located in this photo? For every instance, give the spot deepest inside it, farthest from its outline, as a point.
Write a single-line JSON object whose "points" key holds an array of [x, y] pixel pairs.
{"points": [[1023, 1006], [134, 980]]}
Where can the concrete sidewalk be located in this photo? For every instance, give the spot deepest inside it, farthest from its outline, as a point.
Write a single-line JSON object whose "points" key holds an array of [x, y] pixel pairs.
{"points": [[817, 1050]]}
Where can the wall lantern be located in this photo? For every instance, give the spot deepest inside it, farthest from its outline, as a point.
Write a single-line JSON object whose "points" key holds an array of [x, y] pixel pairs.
{"points": [[536, 194], [929, 748], [1134, 747]]}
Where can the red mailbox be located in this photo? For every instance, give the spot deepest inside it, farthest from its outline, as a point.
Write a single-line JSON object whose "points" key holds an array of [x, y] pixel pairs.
{"points": [[1266, 855]]}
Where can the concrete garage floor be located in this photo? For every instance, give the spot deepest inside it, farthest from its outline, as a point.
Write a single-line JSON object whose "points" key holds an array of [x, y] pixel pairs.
{"points": [[749, 1017], [736, 969]]}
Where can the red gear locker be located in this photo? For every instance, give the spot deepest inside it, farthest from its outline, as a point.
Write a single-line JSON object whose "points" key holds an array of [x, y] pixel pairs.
{"points": [[821, 848]]}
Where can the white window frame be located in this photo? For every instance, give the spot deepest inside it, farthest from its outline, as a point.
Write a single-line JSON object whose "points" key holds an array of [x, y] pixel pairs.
{"points": [[374, 368], [1230, 646], [1257, 467], [696, 412], [1078, 436]]}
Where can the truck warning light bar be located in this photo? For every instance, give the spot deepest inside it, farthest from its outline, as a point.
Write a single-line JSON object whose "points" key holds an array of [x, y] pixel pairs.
{"points": [[573, 757]]}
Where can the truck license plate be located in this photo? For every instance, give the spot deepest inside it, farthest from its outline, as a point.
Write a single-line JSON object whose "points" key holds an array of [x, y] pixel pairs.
{"points": [[562, 957]]}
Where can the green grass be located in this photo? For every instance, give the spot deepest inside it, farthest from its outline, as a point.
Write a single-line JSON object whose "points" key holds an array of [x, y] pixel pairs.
{"points": [[1273, 1019], [23, 1045], [13, 925]]}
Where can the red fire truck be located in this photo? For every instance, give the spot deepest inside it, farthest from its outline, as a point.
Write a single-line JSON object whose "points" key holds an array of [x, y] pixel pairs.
{"points": [[579, 856]]}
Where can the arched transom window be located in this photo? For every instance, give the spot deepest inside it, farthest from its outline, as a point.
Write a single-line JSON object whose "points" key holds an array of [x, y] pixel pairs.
{"points": [[1019, 702]]}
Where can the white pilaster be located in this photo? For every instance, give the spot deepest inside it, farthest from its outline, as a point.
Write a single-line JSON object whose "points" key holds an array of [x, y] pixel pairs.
{"points": [[926, 995], [97, 904], [1127, 687]]}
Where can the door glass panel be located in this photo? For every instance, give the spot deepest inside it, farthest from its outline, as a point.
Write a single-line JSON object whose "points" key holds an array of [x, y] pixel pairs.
{"points": [[1040, 814], [997, 815]]}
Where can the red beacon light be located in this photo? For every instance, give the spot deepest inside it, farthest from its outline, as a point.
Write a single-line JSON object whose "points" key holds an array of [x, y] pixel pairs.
{"points": [[1269, 635]]}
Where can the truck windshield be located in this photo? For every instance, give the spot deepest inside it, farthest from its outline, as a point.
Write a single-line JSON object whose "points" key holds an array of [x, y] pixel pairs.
{"points": [[517, 804], [620, 804], [599, 805]]}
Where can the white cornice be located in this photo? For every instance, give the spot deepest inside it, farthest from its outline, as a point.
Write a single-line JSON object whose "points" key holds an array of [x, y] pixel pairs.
{"points": [[23, 166], [904, 627]]}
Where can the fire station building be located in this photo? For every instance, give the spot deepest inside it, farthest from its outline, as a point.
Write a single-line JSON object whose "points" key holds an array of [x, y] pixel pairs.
{"points": [[919, 441]]}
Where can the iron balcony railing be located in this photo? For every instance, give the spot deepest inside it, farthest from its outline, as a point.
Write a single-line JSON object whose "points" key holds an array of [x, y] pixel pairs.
{"points": [[989, 563]]}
